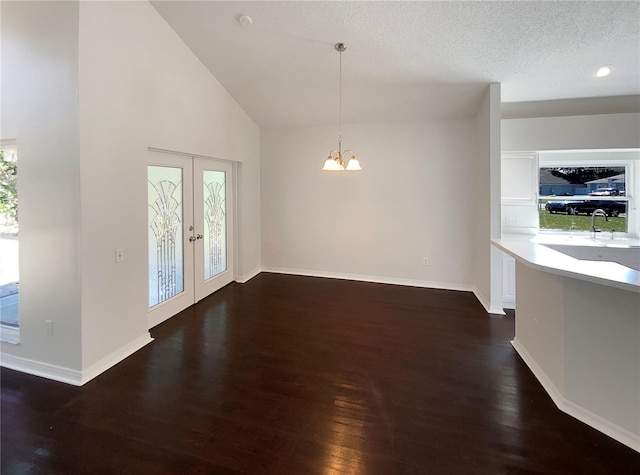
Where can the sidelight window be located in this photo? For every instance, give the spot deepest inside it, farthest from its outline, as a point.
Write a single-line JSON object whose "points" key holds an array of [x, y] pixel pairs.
{"points": [[9, 243]]}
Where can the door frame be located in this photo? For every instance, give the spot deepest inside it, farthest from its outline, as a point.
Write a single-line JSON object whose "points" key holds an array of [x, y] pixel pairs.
{"points": [[234, 257]]}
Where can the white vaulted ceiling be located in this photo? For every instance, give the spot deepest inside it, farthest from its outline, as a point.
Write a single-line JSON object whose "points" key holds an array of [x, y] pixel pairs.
{"points": [[408, 60]]}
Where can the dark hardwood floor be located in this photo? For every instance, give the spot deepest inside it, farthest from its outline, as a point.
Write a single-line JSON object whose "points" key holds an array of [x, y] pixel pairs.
{"points": [[301, 375]]}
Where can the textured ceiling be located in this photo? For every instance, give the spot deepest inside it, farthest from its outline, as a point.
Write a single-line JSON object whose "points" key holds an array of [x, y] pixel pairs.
{"points": [[408, 60]]}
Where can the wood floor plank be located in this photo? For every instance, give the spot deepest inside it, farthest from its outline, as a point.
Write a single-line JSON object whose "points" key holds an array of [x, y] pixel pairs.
{"points": [[301, 375]]}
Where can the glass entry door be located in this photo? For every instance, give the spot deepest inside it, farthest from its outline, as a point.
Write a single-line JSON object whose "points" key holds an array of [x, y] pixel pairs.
{"points": [[190, 224], [214, 224]]}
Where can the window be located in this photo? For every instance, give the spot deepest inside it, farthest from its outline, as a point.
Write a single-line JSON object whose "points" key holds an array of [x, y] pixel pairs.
{"points": [[572, 185], [9, 280]]}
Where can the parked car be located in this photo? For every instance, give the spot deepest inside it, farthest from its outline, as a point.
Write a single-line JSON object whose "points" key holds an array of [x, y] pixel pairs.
{"points": [[606, 192], [566, 206], [612, 208]]}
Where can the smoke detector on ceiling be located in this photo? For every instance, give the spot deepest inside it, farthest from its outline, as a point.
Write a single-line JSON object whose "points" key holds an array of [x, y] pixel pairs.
{"points": [[245, 21]]}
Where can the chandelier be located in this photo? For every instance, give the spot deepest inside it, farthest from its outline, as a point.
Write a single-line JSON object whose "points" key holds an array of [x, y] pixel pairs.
{"points": [[334, 161]]}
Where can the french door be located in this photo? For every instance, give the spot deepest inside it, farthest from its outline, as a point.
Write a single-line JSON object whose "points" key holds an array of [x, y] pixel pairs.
{"points": [[190, 219]]}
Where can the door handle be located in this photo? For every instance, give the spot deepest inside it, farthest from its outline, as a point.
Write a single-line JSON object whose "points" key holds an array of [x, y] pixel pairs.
{"points": [[199, 236], [192, 238]]}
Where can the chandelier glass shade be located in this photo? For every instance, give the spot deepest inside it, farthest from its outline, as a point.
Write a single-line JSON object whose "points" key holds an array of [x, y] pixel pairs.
{"points": [[335, 161]]}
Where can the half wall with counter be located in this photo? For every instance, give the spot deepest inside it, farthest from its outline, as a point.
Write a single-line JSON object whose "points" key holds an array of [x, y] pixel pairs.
{"points": [[578, 330]]}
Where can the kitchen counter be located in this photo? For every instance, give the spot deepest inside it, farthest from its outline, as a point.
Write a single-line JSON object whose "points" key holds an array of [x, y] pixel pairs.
{"points": [[603, 240], [577, 327], [533, 252]]}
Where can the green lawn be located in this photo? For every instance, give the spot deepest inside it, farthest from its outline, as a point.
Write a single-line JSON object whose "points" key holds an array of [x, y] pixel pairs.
{"points": [[580, 223]]}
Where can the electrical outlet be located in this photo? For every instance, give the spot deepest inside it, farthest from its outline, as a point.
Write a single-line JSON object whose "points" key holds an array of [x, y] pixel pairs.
{"points": [[49, 327], [425, 261], [119, 255]]}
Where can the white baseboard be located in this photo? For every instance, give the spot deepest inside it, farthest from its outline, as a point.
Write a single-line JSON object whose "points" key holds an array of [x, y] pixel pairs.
{"points": [[369, 278], [569, 407], [114, 358], [68, 375], [243, 279], [496, 310], [509, 304], [614, 431], [493, 309], [44, 370], [541, 376]]}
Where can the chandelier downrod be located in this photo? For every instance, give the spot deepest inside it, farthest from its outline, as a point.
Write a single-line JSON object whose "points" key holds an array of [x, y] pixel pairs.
{"points": [[334, 161]]}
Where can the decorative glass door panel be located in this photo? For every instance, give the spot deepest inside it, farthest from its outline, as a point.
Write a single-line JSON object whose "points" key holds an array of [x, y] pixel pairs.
{"points": [[213, 208], [170, 214], [190, 227], [215, 223], [166, 221]]}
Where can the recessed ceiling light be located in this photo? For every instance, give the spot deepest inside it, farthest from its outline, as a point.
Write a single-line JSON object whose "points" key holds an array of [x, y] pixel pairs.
{"points": [[603, 71]]}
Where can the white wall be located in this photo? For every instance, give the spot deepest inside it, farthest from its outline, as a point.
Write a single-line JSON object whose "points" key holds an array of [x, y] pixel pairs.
{"points": [[581, 342], [40, 110], [414, 198], [571, 133], [580, 134], [602, 355], [86, 89], [487, 260], [140, 86]]}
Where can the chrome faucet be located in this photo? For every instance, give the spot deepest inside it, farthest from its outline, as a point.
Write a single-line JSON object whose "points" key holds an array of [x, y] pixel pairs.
{"points": [[597, 212]]}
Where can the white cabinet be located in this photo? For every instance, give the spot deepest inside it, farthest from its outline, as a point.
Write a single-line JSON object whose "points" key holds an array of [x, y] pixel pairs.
{"points": [[519, 193], [508, 281], [519, 178]]}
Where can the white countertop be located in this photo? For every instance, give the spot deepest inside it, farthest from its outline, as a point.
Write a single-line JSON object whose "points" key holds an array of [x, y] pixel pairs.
{"points": [[584, 240], [533, 254]]}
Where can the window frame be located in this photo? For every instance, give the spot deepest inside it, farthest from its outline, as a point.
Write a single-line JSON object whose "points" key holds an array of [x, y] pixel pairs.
{"points": [[632, 185]]}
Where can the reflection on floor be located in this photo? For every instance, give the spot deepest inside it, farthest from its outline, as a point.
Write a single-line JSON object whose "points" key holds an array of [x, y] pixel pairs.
{"points": [[301, 375]]}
